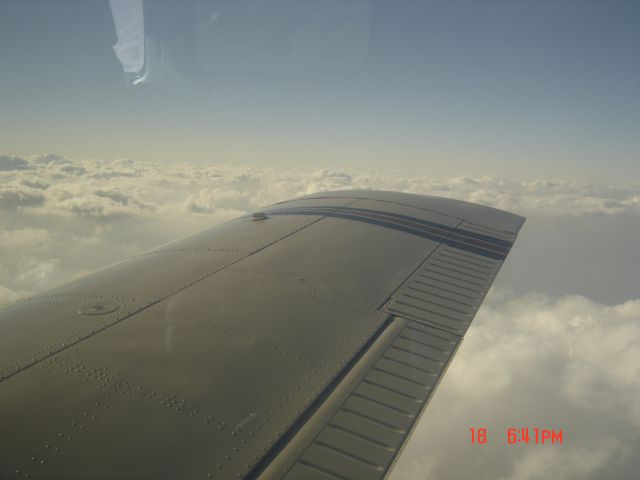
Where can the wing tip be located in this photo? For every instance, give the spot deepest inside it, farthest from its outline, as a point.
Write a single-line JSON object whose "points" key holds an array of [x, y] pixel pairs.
{"points": [[485, 216]]}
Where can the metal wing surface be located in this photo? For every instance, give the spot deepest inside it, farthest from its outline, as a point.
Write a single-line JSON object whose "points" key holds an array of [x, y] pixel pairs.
{"points": [[301, 342]]}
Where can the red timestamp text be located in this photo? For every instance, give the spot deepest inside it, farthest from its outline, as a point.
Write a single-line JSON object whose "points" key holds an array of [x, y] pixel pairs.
{"points": [[520, 436]]}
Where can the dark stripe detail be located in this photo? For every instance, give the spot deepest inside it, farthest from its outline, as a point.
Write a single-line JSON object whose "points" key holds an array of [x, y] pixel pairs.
{"points": [[414, 226], [427, 223]]}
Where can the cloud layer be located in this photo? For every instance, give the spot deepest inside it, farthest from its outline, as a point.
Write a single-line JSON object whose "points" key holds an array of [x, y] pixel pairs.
{"points": [[565, 357]]}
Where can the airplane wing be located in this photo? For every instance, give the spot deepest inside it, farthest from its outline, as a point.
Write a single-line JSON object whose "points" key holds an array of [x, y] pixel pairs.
{"points": [[300, 342]]}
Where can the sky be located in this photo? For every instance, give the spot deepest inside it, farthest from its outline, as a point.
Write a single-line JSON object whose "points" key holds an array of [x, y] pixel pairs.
{"points": [[512, 87], [530, 107]]}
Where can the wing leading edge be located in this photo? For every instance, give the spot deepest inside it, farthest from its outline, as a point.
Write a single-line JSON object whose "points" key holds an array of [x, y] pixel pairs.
{"points": [[303, 342]]}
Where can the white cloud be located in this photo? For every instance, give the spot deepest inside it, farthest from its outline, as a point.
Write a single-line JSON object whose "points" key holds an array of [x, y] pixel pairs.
{"points": [[8, 162], [565, 465], [594, 349], [38, 277], [13, 197], [33, 184], [23, 238], [42, 179]]}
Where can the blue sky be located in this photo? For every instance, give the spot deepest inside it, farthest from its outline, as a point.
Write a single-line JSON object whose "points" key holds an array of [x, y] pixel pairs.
{"points": [[518, 88]]}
